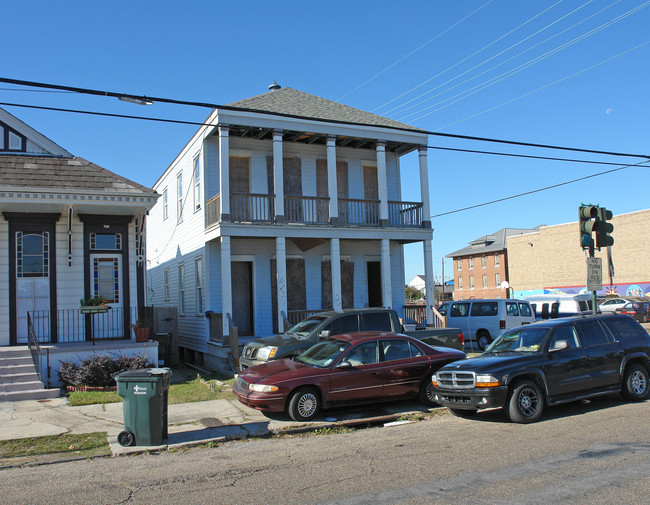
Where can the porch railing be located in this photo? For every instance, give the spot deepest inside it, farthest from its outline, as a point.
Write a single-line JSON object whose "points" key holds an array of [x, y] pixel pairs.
{"points": [[257, 207], [36, 351], [417, 314], [295, 316], [71, 325]]}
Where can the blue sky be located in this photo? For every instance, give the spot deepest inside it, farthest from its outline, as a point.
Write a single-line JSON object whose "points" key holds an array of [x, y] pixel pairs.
{"points": [[568, 73]]}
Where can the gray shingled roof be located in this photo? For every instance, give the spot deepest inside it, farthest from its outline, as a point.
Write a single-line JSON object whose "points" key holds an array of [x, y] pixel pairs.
{"points": [[496, 241], [298, 103], [62, 174]]}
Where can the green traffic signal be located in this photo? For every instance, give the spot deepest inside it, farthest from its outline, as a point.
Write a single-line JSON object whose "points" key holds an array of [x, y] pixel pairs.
{"points": [[587, 215]]}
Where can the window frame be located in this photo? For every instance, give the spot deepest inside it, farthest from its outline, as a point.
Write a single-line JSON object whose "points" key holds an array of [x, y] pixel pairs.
{"points": [[181, 289], [165, 204], [166, 284], [198, 284], [179, 198], [196, 178]]}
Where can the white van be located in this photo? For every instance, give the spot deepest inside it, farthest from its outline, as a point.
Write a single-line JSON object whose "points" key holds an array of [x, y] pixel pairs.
{"points": [[484, 320], [551, 306]]}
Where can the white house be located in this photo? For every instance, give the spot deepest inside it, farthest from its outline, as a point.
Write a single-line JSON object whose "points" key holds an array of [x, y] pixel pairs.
{"points": [[418, 282], [280, 206], [69, 230]]}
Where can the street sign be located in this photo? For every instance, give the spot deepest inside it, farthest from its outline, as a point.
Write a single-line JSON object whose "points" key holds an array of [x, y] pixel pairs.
{"points": [[594, 274]]}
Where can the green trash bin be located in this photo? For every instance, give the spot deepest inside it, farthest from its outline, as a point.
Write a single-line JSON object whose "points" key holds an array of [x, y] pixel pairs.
{"points": [[144, 393]]}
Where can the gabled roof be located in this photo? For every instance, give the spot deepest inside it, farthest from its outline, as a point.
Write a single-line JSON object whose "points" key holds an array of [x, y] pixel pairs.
{"points": [[55, 174], [37, 142], [494, 242], [292, 102]]}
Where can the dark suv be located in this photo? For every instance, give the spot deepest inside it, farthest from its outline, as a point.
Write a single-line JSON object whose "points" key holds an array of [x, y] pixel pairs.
{"points": [[548, 363]]}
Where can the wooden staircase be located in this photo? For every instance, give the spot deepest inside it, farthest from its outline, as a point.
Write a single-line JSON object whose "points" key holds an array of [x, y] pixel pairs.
{"points": [[18, 377]]}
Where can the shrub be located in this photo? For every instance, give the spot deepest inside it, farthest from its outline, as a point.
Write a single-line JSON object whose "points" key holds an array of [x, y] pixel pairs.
{"points": [[98, 371]]}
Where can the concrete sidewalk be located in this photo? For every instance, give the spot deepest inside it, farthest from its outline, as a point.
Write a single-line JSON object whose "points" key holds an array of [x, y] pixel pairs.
{"points": [[189, 423]]}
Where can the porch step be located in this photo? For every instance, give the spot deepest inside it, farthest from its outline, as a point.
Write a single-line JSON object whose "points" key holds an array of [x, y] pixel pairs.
{"points": [[18, 377], [34, 394]]}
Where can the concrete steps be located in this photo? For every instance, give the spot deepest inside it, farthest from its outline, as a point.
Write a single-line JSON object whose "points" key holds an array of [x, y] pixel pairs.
{"points": [[18, 377]]}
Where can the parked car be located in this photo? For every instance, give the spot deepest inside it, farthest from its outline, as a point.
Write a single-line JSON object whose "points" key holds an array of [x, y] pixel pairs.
{"points": [[327, 324], [548, 363], [348, 369], [552, 306], [638, 310], [483, 320], [611, 304]]}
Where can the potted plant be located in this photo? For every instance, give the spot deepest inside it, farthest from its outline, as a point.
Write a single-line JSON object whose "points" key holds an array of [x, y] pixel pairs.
{"points": [[94, 305], [141, 330]]}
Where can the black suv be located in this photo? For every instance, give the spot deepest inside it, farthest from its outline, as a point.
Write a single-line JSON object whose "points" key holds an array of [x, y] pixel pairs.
{"points": [[548, 363]]}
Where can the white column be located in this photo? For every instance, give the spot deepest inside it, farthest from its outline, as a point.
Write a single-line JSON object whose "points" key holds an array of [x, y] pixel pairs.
{"points": [[424, 187], [335, 256], [226, 284], [332, 186], [428, 279], [224, 172], [386, 279], [278, 176], [281, 278], [383, 183]]}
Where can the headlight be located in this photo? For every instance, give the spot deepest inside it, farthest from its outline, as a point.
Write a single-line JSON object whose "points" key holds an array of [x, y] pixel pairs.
{"points": [[267, 352], [434, 380], [262, 388], [486, 381]]}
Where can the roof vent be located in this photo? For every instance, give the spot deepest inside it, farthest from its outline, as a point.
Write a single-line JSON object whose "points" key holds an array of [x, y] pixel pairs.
{"points": [[274, 86]]}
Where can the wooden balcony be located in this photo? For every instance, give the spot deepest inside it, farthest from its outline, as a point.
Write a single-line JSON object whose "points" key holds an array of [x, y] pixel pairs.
{"points": [[260, 208]]}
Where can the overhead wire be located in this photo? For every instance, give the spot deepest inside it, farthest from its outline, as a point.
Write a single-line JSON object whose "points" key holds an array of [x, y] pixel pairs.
{"points": [[414, 51], [464, 59]]}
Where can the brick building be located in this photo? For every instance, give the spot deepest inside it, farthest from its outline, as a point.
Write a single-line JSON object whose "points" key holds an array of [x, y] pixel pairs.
{"points": [[481, 268], [550, 259]]}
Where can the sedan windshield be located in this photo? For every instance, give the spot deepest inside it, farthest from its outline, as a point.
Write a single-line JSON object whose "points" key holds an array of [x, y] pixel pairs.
{"points": [[305, 326], [323, 354], [519, 340]]}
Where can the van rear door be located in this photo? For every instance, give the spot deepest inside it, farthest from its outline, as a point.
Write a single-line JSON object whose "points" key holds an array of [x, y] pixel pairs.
{"points": [[512, 316]]}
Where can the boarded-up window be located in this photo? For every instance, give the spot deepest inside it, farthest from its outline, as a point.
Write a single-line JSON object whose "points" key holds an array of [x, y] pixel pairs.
{"points": [[292, 176], [347, 284], [296, 290], [240, 205]]}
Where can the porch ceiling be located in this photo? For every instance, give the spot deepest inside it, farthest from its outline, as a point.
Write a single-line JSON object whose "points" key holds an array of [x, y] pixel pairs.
{"points": [[301, 137]]}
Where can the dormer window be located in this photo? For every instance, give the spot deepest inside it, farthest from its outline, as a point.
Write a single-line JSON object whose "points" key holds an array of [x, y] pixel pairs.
{"points": [[11, 140]]}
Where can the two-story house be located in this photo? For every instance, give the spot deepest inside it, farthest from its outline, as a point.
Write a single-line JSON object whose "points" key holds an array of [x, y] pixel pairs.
{"points": [[481, 268], [280, 206], [70, 230]]}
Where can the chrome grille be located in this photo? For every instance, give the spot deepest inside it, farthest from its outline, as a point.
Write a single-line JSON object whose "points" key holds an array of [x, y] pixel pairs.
{"points": [[458, 380]]}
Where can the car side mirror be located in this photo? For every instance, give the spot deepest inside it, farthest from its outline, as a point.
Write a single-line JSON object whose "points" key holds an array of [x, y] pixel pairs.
{"points": [[344, 364], [324, 334], [559, 345]]}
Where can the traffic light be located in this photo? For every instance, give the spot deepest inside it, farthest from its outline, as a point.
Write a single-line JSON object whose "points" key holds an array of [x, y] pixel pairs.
{"points": [[588, 215], [603, 228]]}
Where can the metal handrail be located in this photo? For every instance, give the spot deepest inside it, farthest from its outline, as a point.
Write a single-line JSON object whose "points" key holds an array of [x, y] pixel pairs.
{"points": [[233, 338]]}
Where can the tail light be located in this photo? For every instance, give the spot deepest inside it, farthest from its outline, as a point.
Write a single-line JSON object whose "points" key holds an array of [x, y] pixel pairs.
{"points": [[502, 325], [461, 337]]}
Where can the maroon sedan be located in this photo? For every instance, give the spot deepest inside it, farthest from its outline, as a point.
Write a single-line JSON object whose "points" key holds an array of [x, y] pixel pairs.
{"points": [[347, 369]]}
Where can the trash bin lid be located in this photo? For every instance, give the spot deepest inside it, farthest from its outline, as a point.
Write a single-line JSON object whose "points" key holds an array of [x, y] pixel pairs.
{"points": [[144, 372]]}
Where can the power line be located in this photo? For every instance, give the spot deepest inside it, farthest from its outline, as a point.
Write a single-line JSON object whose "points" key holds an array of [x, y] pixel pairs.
{"points": [[511, 197]]}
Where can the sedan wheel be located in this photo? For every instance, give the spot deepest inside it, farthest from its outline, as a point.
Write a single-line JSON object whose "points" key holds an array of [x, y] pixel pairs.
{"points": [[304, 405], [525, 403], [635, 383], [427, 393]]}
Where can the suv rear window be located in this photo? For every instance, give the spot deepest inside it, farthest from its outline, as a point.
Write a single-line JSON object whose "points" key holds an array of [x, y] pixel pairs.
{"points": [[624, 328], [485, 309], [593, 333], [378, 321]]}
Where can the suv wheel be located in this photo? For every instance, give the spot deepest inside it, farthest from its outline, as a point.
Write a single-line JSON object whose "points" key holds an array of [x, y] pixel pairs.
{"points": [[483, 339], [635, 383], [525, 402]]}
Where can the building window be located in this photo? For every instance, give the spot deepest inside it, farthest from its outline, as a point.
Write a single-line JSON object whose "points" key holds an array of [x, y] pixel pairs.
{"points": [[164, 204], [485, 281], [198, 271], [166, 282], [471, 282], [497, 259], [483, 261], [32, 254], [179, 203], [497, 279], [471, 263], [197, 183], [106, 279], [460, 264], [181, 289], [106, 241], [460, 283]]}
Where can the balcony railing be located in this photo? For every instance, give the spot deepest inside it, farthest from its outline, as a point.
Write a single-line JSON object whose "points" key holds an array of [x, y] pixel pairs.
{"points": [[260, 208], [71, 325]]}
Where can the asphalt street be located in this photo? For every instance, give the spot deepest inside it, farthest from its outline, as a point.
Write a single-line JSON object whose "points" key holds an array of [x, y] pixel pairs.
{"points": [[582, 453]]}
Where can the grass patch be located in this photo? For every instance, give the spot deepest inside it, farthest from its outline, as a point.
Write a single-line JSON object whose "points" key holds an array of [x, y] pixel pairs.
{"points": [[85, 445], [191, 387]]}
